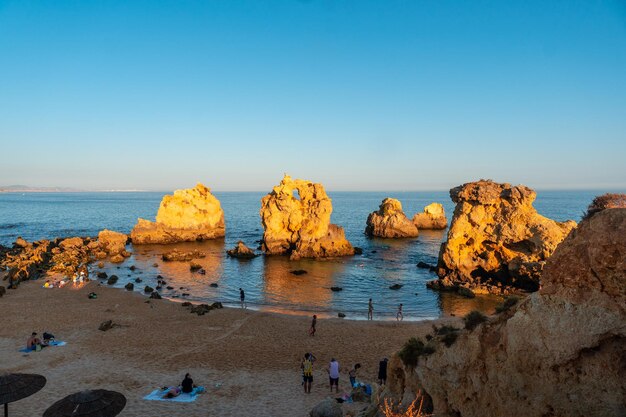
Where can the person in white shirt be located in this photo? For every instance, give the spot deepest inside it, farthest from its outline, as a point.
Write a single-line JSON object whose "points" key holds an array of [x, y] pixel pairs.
{"points": [[333, 374]]}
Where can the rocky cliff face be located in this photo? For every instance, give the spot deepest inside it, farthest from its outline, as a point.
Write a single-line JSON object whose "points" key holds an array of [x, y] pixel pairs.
{"points": [[433, 217], [390, 221], [296, 221], [497, 240], [188, 215], [560, 352]]}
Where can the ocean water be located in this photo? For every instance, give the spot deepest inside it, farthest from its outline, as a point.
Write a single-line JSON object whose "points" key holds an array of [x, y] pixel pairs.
{"points": [[267, 281]]}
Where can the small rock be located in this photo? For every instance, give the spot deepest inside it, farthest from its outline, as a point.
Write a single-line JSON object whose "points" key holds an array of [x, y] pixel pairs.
{"points": [[101, 275], [395, 287], [100, 264], [298, 272], [112, 280], [217, 305], [155, 264], [186, 304], [193, 266], [158, 287], [148, 289], [106, 325], [155, 295], [213, 284], [132, 267], [336, 289], [130, 286], [116, 259], [200, 309], [201, 271], [170, 287], [185, 294], [159, 277], [424, 265], [341, 315], [358, 251], [138, 280]]}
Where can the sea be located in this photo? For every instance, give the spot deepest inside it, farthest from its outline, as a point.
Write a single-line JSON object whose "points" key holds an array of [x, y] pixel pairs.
{"points": [[268, 281]]}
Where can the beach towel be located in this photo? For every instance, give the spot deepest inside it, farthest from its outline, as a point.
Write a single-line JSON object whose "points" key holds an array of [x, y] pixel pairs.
{"points": [[51, 344], [157, 395]]}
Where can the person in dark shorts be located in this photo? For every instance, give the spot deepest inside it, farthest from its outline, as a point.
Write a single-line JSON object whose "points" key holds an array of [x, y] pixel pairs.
{"points": [[333, 374], [370, 310], [313, 324], [242, 297], [187, 384], [307, 372], [382, 372]]}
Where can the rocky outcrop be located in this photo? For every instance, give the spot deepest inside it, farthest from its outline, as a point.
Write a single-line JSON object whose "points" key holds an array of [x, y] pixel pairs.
{"points": [[112, 243], [497, 240], [433, 217], [300, 225], [188, 215], [390, 221], [241, 251], [560, 352]]}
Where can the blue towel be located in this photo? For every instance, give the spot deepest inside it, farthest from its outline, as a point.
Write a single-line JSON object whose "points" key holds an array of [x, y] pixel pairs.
{"points": [[157, 395], [52, 344]]}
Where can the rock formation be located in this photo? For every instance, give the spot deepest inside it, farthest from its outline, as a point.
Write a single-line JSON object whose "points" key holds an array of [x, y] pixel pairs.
{"points": [[433, 217], [301, 226], [497, 240], [390, 221], [241, 251], [112, 243], [188, 215], [560, 352]]}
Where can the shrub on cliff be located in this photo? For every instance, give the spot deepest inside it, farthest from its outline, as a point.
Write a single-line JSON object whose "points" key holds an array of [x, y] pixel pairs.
{"points": [[473, 319], [507, 304], [605, 201], [412, 350]]}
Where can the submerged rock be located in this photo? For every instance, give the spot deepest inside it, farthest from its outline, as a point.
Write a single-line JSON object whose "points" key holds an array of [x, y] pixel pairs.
{"points": [[497, 240], [299, 225], [179, 256], [188, 215], [559, 352], [433, 217], [298, 272], [390, 221], [241, 251]]}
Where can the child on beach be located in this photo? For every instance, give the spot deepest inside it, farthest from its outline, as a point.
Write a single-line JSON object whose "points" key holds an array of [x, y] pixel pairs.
{"points": [[352, 374], [313, 324]]}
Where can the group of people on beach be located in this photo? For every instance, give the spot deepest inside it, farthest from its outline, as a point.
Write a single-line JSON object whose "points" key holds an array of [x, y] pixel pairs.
{"points": [[334, 370], [35, 343]]}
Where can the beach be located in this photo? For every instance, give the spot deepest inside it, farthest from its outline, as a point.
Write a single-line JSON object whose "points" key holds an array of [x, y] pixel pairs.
{"points": [[248, 361]]}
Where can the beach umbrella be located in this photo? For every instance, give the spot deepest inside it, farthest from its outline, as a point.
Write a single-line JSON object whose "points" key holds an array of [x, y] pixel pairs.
{"points": [[90, 403], [14, 387]]}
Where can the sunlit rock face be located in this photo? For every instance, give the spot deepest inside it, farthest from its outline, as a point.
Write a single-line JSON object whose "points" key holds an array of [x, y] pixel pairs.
{"points": [[389, 221], [497, 240], [111, 242], [188, 215], [296, 221], [560, 352], [433, 217]]}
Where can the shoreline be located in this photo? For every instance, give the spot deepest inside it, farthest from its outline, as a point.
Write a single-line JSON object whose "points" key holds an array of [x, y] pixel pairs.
{"points": [[230, 351]]}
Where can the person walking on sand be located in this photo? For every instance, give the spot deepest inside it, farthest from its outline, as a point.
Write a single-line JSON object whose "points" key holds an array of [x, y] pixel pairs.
{"points": [[333, 374], [242, 297], [370, 310], [313, 324], [399, 316], [307, 372]]}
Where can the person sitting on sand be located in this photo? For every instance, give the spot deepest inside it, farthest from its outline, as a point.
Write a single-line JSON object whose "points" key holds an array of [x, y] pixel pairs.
{"points": [[172, 392], [312, 328], [333, 374], [187, 384], [34, 342], [353, 373]]}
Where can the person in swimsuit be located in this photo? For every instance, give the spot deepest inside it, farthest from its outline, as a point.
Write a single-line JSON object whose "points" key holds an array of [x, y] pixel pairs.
{"points": [[242, 297], [399, 315], [370, 310], [313, 324]]}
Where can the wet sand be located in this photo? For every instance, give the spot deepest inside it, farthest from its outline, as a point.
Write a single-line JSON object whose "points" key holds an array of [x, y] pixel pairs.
{"points": [[247, 360]]}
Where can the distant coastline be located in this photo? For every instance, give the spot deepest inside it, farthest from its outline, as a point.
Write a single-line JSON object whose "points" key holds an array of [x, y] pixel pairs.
{"points": [[27, 189]]}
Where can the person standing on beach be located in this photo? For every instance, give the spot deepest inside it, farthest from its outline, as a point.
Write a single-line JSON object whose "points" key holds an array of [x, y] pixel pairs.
{"points": [[352, 374], [307, 372], [382, 372], [313, 324], [242, 297], [370, 310], [333, 374], [399, 315]]}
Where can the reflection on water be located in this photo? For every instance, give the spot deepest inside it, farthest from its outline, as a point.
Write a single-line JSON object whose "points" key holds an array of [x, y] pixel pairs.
{"points": [[455, 305]]}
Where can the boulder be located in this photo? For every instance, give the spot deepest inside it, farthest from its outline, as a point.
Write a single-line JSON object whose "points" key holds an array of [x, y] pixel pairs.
{"points": [[116, 259], [101, 275], [559, 352], [497, 240], [193, 267], [113, 243], [390, 221], [296, 222], [241, 251], [20, 242], [112, 280], [433, 217], [130, 286], [106, 325], [148, 289], [327, 408], [180, 256], [155, 295], [188, 215]]}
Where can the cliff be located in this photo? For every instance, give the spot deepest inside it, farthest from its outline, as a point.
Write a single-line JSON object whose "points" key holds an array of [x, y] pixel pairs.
{"points": [[188, 215], [496, 240], [299, 225], [389, 221]]}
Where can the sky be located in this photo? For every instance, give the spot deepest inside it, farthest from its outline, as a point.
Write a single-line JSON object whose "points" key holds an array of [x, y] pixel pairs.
{"points": [[357, 95]]}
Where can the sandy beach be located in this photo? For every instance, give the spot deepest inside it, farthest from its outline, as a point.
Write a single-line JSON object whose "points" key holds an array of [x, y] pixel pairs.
{"points": [[247, 360]]}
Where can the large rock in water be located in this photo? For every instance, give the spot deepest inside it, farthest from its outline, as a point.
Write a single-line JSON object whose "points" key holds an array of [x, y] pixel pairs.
{"points": [[241, 251], [188, 215], [433, 217], [301, 226], [390, 221], [113, 243], [497, 239], [560, 352]]}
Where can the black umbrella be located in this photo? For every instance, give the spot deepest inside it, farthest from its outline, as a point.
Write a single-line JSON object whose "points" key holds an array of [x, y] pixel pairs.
{"points": [[14, 387], [90, 403]]}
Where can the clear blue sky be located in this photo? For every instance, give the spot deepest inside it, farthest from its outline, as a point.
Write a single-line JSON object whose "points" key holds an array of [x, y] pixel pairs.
{"points": [[358, 95]]}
